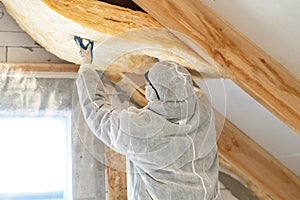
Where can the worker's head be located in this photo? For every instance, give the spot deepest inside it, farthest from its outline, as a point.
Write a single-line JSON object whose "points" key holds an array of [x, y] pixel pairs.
{"points": [[170, 90], [168, 81]]}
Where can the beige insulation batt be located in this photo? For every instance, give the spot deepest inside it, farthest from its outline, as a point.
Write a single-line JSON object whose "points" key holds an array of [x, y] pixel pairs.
{"points": [[53, 24]]}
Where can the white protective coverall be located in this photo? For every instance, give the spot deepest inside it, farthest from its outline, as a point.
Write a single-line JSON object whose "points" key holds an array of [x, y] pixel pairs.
{"points": [[170, 144]]}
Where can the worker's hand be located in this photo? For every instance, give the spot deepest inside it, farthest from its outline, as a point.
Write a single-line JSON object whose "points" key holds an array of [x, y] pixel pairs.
{"points": [[86, 51]]}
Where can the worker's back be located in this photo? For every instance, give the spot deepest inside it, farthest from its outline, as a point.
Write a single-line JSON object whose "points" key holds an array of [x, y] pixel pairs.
{"points": [[173, 163]]}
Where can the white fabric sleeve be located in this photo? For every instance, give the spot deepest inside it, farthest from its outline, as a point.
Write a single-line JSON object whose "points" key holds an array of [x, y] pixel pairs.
{"points": [[98, 113]]}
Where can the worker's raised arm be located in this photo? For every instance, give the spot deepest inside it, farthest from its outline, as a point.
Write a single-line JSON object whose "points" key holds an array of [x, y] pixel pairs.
{"points": [[124, 130], [95, 105], [95, 101], [127, 131]]}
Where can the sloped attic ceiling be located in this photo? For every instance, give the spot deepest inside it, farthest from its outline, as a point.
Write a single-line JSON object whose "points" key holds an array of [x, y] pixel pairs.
{"points": [[84, 29]]}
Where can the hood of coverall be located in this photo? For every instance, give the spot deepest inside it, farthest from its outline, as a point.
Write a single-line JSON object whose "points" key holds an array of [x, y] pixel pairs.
{"points": [[170, 91]]}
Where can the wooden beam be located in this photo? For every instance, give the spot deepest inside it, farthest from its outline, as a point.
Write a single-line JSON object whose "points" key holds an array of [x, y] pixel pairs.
{"points": [[39, 67], [266, 176], [251, 68], [116, 174]]}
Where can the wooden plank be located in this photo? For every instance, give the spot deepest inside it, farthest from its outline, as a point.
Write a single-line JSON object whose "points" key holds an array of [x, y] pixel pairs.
{"points": [[116, 175], [39, 67], [267, 177], [251, 68], [115, 163]]}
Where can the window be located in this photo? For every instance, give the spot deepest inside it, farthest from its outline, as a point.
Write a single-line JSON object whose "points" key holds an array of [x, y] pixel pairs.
{"points": [[35, 161]]}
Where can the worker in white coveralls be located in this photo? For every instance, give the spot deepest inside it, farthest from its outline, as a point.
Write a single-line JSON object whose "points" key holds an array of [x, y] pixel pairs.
{"points": [[170, 145]]}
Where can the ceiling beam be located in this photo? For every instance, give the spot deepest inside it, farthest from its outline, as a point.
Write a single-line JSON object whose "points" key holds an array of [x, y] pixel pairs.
{"points": [[267, 177], [39, 67], [250, 67]]}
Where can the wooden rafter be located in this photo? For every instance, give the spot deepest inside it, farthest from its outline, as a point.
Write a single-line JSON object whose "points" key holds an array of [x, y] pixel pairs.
{"points": [[267, 177], [39, 67], [251, 68]]}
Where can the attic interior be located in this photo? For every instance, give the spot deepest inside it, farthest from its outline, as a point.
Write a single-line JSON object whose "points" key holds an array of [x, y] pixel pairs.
{"points": [[243, 55]]}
